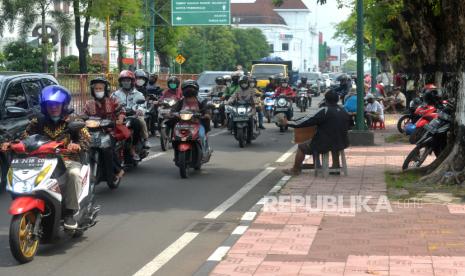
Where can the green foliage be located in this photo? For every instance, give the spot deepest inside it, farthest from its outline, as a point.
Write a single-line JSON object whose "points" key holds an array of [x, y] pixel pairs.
{"points": [[70, 65], [221, 48], [20, 56], [349, 66]]}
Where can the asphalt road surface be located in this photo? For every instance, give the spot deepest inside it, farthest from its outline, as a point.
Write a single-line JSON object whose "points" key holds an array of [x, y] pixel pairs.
{"points": [[156, 222]]}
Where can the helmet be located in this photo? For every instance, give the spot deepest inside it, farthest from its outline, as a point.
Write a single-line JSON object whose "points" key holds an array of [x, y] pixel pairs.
{"points": [[54, 93], [303, 79], [409, 128], [227, 78], [253, 79], [190, 88], [244, 80], [173, 79], [272, 77], [284, 80], [432, 96], [100, 80], [219, 80], [235, 76], [126, 74], [141, 74]]}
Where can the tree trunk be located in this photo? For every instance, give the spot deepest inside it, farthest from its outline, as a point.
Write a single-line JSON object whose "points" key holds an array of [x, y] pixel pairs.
{"points": [[44, 42], [120, 49], [82, 41]]}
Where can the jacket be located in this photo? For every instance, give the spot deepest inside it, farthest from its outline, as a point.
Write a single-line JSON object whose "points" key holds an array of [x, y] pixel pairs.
{"points": [[332, 124]]}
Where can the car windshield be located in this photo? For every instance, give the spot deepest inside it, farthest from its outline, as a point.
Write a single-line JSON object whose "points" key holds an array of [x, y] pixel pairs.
{"points": [[208, 79], [263, 72], [310, 76]]}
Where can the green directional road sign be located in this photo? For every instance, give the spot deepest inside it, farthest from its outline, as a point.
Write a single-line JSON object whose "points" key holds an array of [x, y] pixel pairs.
{"points": [[200, 12]]}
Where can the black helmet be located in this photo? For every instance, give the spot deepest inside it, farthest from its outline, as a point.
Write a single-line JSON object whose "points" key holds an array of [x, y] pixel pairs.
{"points": [[432, 96], [219, 80], [253, 79], [141, 74], [303, 79], [100, 80], [284, 80], [190, 88], [244, 80], [173, 79], [272, 77]]}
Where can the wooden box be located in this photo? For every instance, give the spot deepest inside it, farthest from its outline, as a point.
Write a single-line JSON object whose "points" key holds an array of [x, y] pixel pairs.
{"points": [[304, 134]]}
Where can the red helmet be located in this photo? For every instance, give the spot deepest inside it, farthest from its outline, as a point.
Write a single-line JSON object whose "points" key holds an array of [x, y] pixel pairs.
{"points": [[126, 74], [429, 86]]}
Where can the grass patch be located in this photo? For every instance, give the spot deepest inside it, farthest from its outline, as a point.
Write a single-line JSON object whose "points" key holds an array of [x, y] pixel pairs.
{"points": [[405, 185], [396, 138]]}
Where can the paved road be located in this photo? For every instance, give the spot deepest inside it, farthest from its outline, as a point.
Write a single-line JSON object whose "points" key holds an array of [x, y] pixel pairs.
{"points": [[151, 212]]}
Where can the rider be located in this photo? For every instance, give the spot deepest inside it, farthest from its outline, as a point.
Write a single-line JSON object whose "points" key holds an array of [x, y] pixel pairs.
{"points": [[104, 107], [271, 86], [54, 102], [142, 79], [190, 91], [227, 80], [304, 83], [173, 91], [128, 96], [152, 87], [231, 90], [219, 89], [285, 90], [258, 100]]}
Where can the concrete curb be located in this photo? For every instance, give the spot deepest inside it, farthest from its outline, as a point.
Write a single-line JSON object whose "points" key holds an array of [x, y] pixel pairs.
{"points": [[244, 224]]}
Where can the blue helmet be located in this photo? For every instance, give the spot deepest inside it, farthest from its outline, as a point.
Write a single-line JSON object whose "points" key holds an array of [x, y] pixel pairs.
{"points": [[54, 93], [410, 128]]}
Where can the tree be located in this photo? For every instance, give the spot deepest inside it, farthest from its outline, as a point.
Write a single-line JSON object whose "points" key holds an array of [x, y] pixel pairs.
{"points": [[20, 56], [252, 45], [349, 66], [25, 13]]}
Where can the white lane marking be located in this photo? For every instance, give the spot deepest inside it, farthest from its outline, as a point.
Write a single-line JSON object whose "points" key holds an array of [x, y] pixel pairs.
{"points": [[150, 157], [286, 178], [167, 254], [240, 230], [239, 194], [286, 155], [219, 253], [274, 190], [249, 216], [218, 133]]}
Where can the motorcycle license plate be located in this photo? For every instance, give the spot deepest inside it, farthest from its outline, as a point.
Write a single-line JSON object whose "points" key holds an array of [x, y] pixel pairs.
{"points": [[165, 111], [281, 109], [216, 111], [240, 118], [27, 163]]}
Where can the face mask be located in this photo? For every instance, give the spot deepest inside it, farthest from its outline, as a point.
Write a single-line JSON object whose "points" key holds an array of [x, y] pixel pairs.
{"points": [[126, 85], [55, 119], [173, 85], [244, 86], [228, 84], [284, 85], [140, 82], [252, 85], [99, 95]]}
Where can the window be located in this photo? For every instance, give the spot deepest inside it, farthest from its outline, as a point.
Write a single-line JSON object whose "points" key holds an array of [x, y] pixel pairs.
{"points": [[15, 97], [285, 47], [271, 48], [47, 82], [32, 89]]}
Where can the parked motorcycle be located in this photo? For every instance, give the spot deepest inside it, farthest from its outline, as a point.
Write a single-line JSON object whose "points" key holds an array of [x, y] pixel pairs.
{"points": [[426, 114], [101, 151], [189, 151], [282, 108], [164, 111], [434, 140], [34, 179], [244, 123], [304, 100], [269, 102], [410, 117]]}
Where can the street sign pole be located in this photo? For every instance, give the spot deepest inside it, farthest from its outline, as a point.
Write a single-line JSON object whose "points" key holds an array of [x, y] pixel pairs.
{"points": [[152, 35]]}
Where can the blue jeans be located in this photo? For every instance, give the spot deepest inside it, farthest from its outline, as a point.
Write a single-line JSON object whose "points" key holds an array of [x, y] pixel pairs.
{"points": [[260, 118], [203, 138]]}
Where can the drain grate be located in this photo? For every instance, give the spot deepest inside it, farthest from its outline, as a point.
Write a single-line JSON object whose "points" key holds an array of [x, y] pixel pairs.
{"points": [[202, 226]]}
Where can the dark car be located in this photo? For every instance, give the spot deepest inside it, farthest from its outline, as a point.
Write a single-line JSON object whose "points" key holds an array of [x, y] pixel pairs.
{"points": [[18, 90]]}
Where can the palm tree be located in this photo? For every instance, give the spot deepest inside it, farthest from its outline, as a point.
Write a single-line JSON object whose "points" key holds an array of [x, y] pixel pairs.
{"points": [[23, 14]]}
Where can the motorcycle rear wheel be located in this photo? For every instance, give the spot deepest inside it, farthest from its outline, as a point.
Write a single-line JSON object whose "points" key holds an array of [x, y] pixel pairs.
{"points": [[22, 245], [405, 119]]}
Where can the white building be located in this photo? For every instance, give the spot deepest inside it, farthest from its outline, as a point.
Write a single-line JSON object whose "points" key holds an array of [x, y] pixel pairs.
{"points": [[289, 29]]}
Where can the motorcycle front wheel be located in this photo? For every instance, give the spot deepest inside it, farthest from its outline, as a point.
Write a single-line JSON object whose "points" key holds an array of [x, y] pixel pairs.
{"points": [[240, 137], [163, 139], [23, 245], [416, 157], [182, 163]]}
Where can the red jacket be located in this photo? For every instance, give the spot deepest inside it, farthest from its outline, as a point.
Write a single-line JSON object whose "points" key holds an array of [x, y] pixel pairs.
{"points": [[169, 94], [105, 109], [288, 92]]}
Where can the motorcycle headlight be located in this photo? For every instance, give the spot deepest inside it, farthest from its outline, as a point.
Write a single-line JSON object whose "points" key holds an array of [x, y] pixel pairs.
{"points": [[171, 102], [42, 174], [186, 117], [282, 102], [92, 123], [216, 105], [241, 110]]}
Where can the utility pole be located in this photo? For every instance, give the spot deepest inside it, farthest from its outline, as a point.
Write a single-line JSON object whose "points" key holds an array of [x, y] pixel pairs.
{"points": [[146, 44], [373, 63], [135, 49], [360, 93], [108, 45], [152, 35]]}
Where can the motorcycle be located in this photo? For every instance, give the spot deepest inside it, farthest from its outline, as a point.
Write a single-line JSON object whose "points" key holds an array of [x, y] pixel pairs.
{"points": [[101, 151], [217, 118], [269, 105], [188, 149], [151, 116], [434, 140], [164, 111], [131, 117], [244, 123], [281, 110], [34, 181], [426, 114], [303, 99], [410, 117]]}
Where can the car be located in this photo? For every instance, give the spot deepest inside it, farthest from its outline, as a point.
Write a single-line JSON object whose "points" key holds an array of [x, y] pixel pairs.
{"points": [[206, 81], [18, 90], [326, 80], [315, 80]]}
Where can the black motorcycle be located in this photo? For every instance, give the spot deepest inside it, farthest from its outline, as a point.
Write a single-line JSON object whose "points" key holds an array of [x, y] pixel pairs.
{"points": [[151, 115], [164, 111], [131, 118], [410, 116], [434, 140], [304, 100], [244, 123], [282, 108], [217, 106]]}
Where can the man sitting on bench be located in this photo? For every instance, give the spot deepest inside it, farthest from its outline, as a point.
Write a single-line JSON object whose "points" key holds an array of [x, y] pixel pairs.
{"points": [[332, 124]]}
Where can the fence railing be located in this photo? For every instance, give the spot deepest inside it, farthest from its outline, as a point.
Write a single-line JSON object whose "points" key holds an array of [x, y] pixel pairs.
{"points": [[78, 84]]}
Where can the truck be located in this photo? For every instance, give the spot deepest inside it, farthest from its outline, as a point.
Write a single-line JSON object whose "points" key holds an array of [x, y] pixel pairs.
{"points": [[263, 69]]}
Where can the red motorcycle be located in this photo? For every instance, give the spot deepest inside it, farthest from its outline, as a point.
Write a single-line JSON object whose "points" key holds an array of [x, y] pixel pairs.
{"points": [[189, 151], [427, 113]]}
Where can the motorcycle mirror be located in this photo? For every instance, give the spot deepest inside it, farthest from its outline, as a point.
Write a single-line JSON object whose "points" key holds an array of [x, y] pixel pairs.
{"points": [[15, 112], [141, 101], [75, 126], [108, 124]]}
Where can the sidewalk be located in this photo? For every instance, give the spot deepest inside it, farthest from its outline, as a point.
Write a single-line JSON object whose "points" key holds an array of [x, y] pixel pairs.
{"points": [[413, 239]]}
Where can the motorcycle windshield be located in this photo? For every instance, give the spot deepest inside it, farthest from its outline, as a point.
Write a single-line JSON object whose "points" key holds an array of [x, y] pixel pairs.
{"points": [[33, 142]]}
